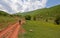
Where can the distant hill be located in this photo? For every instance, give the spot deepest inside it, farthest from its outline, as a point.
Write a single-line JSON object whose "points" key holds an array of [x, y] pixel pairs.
{"points": [[3, 13], [45, 12], [51, 10]]}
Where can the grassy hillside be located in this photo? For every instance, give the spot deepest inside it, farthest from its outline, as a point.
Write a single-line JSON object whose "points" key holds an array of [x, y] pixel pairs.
{"points": [[45, 13], [6, 19], [2, 13]]}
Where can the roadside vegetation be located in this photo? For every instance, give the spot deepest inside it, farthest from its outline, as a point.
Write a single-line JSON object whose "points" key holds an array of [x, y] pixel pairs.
{"points": [[6, 19]]}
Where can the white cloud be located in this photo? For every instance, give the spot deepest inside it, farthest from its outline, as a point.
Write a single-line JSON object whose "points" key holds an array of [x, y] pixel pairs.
{"points": [[22, 5], [2, 8]]}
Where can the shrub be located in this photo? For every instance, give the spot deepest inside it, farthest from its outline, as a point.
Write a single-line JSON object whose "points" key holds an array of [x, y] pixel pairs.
{"points": [[28, 17], [57, 20]]}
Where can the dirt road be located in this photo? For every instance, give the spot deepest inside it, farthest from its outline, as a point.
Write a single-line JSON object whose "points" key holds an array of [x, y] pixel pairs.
{"points": [[12, 31]]}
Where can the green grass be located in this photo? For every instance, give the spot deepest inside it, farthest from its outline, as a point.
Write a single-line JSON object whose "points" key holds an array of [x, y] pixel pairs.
{"points": [[5, 21], [41, 30]]}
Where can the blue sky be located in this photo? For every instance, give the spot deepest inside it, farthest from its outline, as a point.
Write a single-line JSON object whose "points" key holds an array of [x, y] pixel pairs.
{"points": [[52, 3], [14, 6]]}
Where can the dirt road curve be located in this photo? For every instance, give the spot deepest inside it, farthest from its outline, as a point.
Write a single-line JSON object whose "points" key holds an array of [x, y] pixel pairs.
{"points": [[12, 31]]}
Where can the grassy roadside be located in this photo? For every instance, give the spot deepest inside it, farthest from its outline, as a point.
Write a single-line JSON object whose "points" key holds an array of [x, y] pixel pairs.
{"points": [[5, 21], [41, 30]]}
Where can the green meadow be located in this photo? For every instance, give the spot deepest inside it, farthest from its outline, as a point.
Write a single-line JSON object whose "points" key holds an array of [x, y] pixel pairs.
{"points": [[41, 29]]}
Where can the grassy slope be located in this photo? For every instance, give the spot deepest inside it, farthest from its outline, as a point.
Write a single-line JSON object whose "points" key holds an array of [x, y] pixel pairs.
{"points": [[45, 12], [41, 30], [51, 10], [5, 21]]}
